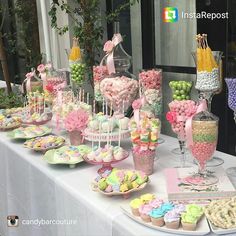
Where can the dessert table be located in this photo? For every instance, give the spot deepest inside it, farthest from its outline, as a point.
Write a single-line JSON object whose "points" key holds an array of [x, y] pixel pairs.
{"points": [[34, 190]]}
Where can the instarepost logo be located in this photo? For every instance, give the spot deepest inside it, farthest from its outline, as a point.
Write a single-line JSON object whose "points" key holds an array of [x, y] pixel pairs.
{"points": [[170, 14]]}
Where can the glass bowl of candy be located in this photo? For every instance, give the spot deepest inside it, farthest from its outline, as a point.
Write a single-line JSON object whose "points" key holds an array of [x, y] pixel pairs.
{"points": [[203, 146], [119, 87]]}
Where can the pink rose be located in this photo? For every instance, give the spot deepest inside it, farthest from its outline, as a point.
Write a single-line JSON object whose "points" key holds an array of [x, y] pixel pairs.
{"points": [[171, 116], [41, 68], [137, 104], [108, 46]]}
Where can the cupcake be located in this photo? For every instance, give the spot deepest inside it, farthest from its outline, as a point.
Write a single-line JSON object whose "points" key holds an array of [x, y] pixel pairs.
{"points": [[155, 203], [179, 208], [157, 217], [144, 211], [146, 198], [195, 210], [167, 206], [135, 204], [188, 221], [172, 219]]}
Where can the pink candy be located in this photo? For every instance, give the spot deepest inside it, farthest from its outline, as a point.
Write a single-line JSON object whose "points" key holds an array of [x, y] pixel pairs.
{"points": [[119, 90], [203, 151], [181, 110], [151, 79], [99, 72]]}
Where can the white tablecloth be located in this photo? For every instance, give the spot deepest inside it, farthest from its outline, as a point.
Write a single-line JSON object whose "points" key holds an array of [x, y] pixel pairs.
{"points": [[34, 190]]}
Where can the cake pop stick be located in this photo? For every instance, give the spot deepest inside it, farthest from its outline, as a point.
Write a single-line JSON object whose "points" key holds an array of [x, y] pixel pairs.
{"points": [[139, 86], [94, 107], [111, 110], [123, 107], [108, 133], [80, 94], [83, 95], [99, 131], [112, 120], [103, 101], [106, 108], [119, 133], [87, 99]]}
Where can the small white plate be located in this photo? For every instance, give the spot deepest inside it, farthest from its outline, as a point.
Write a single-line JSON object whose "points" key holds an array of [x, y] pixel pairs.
{"points": [[217, 230], [202, 227]]}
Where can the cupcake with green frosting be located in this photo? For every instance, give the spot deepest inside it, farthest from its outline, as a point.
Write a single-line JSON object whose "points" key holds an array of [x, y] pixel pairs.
{"points": [[191, 216]]}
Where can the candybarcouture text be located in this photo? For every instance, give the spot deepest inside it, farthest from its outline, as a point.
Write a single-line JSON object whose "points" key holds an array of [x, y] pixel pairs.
{"points": [[205, 15], [40, 222]]}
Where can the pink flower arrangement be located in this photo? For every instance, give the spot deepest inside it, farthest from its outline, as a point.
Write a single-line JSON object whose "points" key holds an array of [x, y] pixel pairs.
{"points": [[41, 68], [171, 116], [108, 46], [76, 120], [44, 68], [137, 104]]}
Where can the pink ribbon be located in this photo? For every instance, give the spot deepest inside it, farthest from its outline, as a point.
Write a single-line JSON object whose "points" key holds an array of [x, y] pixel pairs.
{"points": [[117, 38], [137, 111], [188, 125], [27, 82]]}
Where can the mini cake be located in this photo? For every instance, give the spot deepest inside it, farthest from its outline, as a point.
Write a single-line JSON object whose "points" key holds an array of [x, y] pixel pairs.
{"points": [[157, 216], [135, 204], [191, 216], [172, 219], [144, 211]]}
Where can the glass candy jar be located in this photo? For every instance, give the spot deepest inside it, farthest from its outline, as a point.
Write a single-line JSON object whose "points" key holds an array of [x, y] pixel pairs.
{"points": [[205, 136], [119, 88], [32, 83], [55, 81]]}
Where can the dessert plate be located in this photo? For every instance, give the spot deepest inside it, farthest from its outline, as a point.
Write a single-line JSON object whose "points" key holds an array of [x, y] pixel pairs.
{"points": [[32, 143], [124, 194], [220, 231], [57, 156], [202, 227], [20, 135]]}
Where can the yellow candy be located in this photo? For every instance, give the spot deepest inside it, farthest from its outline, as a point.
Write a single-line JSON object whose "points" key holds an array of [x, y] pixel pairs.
{"points": [[124, 188]]}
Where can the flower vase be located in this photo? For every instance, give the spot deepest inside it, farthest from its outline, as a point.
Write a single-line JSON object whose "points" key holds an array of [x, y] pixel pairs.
{"points": [[144, 160], [75, 137]]}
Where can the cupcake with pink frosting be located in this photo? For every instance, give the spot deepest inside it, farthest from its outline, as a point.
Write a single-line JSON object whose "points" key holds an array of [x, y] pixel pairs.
{"points": [[144, 211]]}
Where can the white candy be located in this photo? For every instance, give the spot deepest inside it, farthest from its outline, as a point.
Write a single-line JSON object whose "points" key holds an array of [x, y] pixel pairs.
{"points": [[208, 81]]}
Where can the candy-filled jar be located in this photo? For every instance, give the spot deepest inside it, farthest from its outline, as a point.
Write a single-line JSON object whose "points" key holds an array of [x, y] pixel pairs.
{"points": [[209, 69], [180, 112], [55, 81], [231, 84], [150, 83], [120, 87], [204, 142]]}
